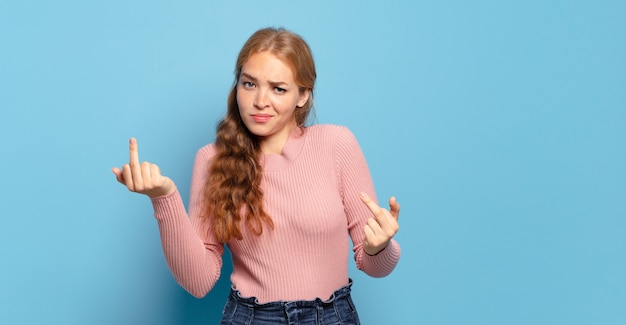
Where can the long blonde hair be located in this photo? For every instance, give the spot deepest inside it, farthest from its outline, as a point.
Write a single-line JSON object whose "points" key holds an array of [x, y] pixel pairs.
{"points": [[233, 188]]}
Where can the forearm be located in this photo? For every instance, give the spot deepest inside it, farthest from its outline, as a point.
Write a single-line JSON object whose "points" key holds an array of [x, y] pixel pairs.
{"points": [[381, 264], [195, 265]]}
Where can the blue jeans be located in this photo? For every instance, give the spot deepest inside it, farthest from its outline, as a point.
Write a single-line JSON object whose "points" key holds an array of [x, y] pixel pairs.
{"points": [[339, 309]]}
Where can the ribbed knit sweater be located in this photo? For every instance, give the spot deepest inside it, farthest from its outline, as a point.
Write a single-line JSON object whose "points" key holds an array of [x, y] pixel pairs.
{"points": [[311, 192]]}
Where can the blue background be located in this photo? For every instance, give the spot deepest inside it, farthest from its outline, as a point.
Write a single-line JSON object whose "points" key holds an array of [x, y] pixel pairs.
{"points": [[500, 126]]}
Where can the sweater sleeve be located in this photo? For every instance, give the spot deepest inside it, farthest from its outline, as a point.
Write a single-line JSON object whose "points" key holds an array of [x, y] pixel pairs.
{"points": [[192, 254], [354, 178]]}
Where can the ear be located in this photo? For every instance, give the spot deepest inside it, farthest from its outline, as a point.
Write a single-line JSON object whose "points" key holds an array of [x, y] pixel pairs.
{"points": [[304, 97]]}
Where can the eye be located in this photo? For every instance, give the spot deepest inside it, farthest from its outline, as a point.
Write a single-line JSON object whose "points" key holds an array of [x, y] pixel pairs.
{"points": [[280, 90], [247, 84]]}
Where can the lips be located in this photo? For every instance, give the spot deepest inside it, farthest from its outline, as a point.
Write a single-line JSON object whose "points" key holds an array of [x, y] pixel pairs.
{"points": [[261, 118]]}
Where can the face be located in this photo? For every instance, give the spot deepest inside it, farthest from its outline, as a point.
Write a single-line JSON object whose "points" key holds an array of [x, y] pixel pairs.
{"points": [[267, 96]]}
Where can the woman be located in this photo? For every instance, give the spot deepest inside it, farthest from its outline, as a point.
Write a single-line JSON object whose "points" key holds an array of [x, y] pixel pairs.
{"points": [[283, 196]]}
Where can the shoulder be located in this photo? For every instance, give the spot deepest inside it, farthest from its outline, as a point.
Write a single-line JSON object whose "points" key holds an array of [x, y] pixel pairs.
{"points": [[337, 138], [329, 131], [206, 152]]}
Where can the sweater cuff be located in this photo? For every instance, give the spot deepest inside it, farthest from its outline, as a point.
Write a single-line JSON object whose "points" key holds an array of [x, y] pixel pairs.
{"points": [[385, 261], [168, 207]]}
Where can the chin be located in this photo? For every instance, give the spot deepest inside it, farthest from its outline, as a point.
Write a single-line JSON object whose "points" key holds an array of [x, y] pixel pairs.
{"points": [[258, 131]]}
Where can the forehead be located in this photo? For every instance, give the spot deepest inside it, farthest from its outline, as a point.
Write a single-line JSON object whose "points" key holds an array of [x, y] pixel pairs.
{"points": [[267, 66]]}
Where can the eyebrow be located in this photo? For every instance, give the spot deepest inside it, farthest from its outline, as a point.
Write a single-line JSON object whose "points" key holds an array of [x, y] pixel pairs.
{"points": [[273, 83]]}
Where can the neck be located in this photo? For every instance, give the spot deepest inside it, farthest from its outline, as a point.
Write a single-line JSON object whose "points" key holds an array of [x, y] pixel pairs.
{"points": [[274, 144]]}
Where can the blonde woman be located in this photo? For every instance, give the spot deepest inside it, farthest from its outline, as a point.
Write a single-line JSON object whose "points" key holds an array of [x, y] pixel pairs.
{"points": [[285, 197]]}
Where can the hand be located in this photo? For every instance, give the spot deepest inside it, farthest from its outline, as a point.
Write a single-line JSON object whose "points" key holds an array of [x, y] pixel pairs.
{"points": [[382, 227], [144, 178]]}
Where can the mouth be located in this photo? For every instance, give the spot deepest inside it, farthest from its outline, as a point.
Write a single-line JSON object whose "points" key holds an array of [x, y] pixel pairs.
{"points": [[261, 118]]}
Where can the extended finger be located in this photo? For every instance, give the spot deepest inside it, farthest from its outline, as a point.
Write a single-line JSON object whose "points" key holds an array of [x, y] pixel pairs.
{"points": [[383, 217], [134, 151], [370, 203], [387, 222], [135, 167]]}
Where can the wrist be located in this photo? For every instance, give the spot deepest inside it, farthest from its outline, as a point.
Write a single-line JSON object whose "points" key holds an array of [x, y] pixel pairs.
{"points": [[375, 251]]}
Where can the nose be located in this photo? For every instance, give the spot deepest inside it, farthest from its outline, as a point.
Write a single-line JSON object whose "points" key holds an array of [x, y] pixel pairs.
{"points": [[260, 100]]}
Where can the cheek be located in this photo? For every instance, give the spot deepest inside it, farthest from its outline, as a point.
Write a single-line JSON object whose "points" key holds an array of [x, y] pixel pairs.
{"points": [[239, 98], [244, 100], [288, 103]]}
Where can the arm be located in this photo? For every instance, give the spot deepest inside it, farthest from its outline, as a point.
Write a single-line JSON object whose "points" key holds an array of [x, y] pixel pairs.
{"points": [[192, 254], [194, 259], [370, 230]]}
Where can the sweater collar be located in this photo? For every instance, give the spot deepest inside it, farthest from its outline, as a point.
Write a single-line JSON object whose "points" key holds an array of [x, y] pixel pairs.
{"points": [[290, 152]]}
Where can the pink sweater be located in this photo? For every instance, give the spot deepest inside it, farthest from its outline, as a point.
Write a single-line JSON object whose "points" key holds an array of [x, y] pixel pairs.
{"points": [[312, 194]]}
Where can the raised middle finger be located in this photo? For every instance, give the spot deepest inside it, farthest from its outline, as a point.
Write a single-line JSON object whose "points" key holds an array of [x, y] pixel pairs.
{"points": [[135, 167]]}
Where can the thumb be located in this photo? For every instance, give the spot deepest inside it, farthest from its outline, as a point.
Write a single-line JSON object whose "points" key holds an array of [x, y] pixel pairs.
{"points": [[118, 174], [394, 207]]}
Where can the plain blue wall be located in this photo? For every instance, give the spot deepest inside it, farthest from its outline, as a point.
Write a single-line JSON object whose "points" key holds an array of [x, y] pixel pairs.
{"points": [[499, 125]]}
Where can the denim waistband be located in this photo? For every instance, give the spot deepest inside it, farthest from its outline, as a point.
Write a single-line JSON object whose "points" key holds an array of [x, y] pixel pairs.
{"points": [[253, 302]]}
